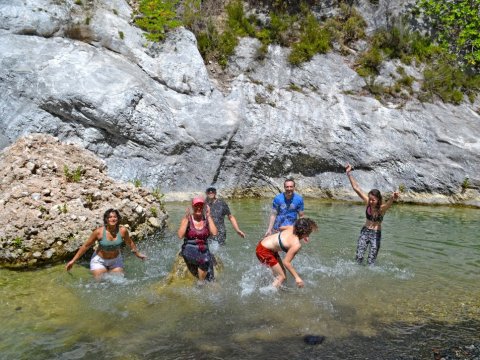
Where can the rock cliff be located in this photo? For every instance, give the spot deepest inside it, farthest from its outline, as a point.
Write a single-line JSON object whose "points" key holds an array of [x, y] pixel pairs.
{"points": [[53, 195], [84, 74]]}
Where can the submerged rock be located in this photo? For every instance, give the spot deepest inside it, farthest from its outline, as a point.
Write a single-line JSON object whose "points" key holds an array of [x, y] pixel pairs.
{"points": [[180, 272], [53, 195]]}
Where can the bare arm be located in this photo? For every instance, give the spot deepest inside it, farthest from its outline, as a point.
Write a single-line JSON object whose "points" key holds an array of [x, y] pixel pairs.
{"points": [[354, 183], [389, 203], [182, 229], [273, 215], [233, 220], [83, 249], [128, 240], [287, 262]]}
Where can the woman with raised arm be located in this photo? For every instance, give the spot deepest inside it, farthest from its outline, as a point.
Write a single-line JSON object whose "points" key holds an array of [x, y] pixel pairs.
{"points": [[371, 232]]}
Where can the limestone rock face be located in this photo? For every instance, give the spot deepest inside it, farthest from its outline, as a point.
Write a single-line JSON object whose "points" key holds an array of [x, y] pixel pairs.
{"points": [[53, 195], [86, 75]]}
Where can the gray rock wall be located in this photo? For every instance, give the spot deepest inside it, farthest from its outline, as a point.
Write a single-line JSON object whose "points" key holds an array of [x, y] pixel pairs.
{"points": [[152, 112]]}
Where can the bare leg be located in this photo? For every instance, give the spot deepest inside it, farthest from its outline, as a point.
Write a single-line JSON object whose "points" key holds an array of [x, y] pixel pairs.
{"points": [[98, 273], [202, 275], [117, 271], [279, 274]]}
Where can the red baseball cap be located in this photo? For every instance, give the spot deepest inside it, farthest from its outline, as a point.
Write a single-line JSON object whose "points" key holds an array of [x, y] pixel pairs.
{"points": [[198, 200]]}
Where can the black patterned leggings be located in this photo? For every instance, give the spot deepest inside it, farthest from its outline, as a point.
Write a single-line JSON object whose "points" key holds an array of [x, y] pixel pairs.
{"points": [[372, 237]]}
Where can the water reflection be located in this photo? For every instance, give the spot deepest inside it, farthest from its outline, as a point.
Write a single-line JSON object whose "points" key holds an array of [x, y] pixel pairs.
{"points": [[423, 293]]}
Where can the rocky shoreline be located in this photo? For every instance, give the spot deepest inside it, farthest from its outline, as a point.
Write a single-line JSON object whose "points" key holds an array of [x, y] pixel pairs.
{"points": [[52, 195]]}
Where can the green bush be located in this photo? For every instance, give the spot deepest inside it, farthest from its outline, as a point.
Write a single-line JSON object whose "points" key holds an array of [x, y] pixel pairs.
{"points": [[73, 176], [237, 23], [156, 17], [352, 24], [370, 62], [314, 39], [444, 80], [455, 27]]}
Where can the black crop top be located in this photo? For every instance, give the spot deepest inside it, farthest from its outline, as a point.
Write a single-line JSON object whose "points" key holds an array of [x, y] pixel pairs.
{"points": [[371, 217]]}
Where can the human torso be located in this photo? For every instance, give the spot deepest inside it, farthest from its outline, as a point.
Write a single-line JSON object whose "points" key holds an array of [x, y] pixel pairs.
{"points": [[109, 244], [197, 230], [374, 218], [281, 241], [219, 209], [287, 209]]}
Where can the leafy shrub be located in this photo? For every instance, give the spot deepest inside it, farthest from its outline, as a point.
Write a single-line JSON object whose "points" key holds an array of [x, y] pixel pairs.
{"points": [[352, 24], [444, 80], [370, 62], [455, 26], [465, 184], [237, 22], [156, 17], [73, 176], [314, 39]]}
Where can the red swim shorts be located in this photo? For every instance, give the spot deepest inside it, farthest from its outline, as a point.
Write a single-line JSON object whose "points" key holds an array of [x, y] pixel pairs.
{"points": [[267, 256]]}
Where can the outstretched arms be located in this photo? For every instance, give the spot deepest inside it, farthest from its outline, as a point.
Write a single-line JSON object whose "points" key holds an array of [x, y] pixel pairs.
{"points": [[83, 249], [128, 240], [353, 182], [386, 206]]}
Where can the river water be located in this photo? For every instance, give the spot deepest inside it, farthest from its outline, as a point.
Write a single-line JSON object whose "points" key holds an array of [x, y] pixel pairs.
{"points": [[422, 295]]}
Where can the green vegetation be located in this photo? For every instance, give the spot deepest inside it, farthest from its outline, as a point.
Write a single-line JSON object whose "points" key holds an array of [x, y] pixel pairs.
{"points": [[87, 21], [63, 209], [465, 184], [451, 54], [137, 183], [156, 17], [154, 211], [18, 242], [121, 35], [157, 194], [89, 200], [73, 176], [455, 27], [78, 2], [443, 75], [314, 39], [401, 188]]}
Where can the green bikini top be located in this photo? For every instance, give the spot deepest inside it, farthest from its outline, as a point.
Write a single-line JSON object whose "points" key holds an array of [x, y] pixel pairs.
{"points": [[110, 245]]}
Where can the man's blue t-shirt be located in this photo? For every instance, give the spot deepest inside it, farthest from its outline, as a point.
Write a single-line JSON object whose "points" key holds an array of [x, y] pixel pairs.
{"points": [[287, 210]]}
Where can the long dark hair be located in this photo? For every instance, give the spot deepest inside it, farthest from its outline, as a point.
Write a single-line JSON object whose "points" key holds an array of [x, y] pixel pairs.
{"points": [[107, 214], [378, 195], [304, 227]]}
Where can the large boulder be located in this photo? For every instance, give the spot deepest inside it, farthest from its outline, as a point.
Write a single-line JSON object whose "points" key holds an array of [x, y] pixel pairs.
{"points": [[53, 195], [84, 73]]}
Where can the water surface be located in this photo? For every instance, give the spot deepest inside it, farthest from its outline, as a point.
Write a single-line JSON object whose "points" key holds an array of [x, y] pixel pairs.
{"points": [[423, 294]]}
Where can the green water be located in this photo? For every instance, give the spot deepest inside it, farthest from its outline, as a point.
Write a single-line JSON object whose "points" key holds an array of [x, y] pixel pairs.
{"points": [[423, 294]]}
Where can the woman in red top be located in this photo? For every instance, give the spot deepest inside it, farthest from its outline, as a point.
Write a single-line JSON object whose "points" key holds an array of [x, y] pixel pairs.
{"points": [[195, 228]]}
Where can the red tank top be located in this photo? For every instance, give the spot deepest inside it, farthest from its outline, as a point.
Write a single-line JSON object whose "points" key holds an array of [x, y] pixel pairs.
{"points": [[197, 234]]}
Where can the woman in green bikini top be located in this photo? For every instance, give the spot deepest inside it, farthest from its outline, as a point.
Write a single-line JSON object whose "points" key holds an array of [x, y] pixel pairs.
{"points": [[110, 237]]}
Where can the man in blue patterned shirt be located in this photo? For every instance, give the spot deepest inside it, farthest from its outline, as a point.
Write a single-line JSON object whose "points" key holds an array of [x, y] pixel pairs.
{"points": [[286, 208]]}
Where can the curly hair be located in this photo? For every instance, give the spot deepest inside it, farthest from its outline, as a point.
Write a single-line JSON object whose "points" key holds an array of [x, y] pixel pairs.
{"points": [[304, 227]]}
